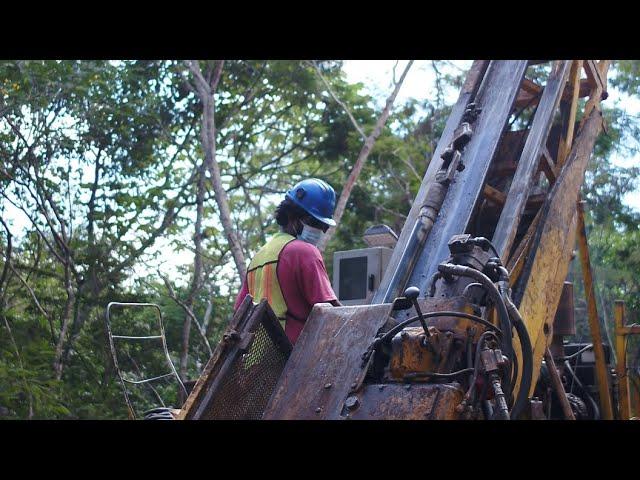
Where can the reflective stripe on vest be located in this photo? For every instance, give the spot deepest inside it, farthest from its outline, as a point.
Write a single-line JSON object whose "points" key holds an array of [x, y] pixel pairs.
{"points": [[262, 278]]}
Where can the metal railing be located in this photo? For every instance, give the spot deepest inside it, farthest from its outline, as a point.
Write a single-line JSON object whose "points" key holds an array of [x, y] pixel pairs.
{"points": [[114, 355]]}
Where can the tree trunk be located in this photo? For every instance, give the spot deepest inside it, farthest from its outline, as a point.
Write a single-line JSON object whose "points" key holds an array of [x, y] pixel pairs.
{"points": [[206, 91], [220, 195], [58, 364]]}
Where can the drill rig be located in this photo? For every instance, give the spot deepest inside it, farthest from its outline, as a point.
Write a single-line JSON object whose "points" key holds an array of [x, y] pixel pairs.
{"points": [[462, 321]]}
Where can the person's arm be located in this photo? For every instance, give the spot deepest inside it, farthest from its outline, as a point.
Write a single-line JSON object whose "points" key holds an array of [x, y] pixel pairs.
{"points": [[314, 279]]}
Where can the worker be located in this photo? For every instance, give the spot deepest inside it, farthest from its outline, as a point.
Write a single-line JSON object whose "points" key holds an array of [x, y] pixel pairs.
{"points": [[288, 270]]}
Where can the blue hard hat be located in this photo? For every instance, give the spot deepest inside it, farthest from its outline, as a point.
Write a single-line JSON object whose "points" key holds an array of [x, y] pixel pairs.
{"points": [[316, 197]]}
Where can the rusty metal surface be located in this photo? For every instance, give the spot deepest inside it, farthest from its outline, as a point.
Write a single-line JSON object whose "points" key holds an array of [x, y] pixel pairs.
{"points": [[410, 352], [472, 83], [214, 363], [396, 401], [621, 362], [546, 268], [244, 369], [495, 97], [413, 353], [602, 368], [529, 160], [325, 361], [564, 322]]}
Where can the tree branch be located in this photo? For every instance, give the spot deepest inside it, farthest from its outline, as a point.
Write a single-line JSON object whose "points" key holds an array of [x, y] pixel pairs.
{"points": [[208, 139], [362, 157], [337, 100], [186, 309], [5, 268]]}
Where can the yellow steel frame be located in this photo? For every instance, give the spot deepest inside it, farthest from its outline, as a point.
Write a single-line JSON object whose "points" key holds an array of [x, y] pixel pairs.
{"points": [[544, 288], [594, 324], [621, 333]]}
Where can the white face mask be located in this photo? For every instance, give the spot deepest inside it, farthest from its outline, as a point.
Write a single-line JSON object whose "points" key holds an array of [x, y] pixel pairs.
{"points": [[310, 234]]}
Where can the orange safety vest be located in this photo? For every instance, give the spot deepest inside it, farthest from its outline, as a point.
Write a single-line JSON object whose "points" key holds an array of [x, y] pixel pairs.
{"points": [[262, 278]]}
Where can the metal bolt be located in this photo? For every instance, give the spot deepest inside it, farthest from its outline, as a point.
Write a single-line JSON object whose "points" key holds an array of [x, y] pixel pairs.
{"points": [[327, 385], [318, 410], [354, 385], [381, 387], [352, 402]]}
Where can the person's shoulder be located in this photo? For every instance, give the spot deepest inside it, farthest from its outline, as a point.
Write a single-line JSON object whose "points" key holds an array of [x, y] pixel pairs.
{"points": [[299, 247]]}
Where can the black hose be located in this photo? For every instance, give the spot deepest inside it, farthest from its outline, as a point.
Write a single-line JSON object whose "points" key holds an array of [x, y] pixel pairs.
{"points": [[575, 354], [432, 283], [515, 368], [594, 405], [401, 325], [438, 375], [527, 369], [527, 356], [503, 315], [160, 413], [467, 399]]}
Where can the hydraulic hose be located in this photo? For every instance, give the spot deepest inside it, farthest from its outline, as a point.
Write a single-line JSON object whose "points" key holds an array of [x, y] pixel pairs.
{"points": [[432, 283], [527, 353], [469, 395], [594, 405], [502, 412], [160, 413], [503, 315], [400, 326]]}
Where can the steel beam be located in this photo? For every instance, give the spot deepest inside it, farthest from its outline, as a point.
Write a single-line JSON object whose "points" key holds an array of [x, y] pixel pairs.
{"points": [[545, 271], [495, 97], [472, 83], [602, 374], [621, 361], [534, 148]]}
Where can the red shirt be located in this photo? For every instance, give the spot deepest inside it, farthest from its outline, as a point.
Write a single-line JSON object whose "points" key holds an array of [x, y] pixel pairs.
{"points": [[304, 282]]}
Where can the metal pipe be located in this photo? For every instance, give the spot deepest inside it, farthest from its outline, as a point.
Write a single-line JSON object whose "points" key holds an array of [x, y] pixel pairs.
{"points": [[400, 259], [602, 375], [557, 385], [419, 233], [621, 361]]}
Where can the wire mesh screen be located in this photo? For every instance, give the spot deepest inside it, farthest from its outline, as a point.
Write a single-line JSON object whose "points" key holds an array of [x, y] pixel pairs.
{"points": [[242, 374], [244, 393]]}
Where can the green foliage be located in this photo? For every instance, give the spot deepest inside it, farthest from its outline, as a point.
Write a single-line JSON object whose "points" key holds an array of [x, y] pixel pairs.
{"points": [[103, 157], [612, 226]]}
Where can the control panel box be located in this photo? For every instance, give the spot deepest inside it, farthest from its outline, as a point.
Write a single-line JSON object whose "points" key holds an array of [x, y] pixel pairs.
{"points": [[357, 273]]}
